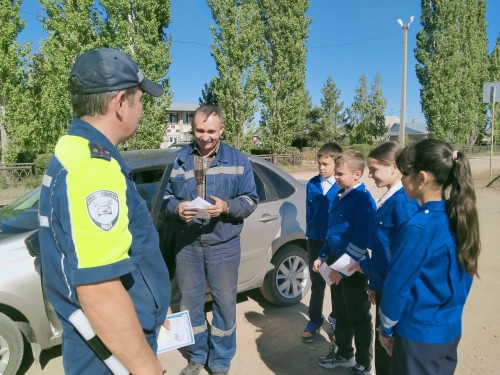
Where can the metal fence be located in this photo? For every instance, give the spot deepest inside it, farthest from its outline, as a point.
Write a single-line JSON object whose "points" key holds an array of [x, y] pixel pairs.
{"points": [[18, 172], [283, 159]]}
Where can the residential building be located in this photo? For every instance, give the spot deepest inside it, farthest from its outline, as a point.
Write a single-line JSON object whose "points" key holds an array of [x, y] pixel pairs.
{"points": [[178, 123]]}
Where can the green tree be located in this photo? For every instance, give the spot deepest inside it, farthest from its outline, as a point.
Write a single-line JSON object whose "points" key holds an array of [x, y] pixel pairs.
{"points": [[73, 26], [282, 91], [365, 122], [208, 95], [495, 77], [12, 73], [235, 48], [452, 67], [331, 110], [138, 27]]}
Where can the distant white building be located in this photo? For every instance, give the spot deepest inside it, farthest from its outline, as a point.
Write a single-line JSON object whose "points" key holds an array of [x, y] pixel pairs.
{"points": [[179, 123]]}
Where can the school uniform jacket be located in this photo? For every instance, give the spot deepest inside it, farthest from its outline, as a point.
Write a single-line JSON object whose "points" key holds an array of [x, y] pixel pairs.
{"points": [[349, 223], [395, 211], [317, 208], [426, 288]]}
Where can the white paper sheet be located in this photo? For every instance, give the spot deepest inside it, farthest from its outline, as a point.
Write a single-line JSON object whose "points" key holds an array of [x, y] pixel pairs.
{"points": [[197, 204], [343, 264], [180, 333], [325, 270]]}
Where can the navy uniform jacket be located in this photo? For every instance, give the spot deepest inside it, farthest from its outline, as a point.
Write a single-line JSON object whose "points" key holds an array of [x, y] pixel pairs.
{"points": [[94, 226], [426, 288], [389, 217], [317, 208]]}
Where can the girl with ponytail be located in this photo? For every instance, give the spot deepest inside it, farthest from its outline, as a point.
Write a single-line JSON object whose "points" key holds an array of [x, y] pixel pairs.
{"points": [[433, 263]]}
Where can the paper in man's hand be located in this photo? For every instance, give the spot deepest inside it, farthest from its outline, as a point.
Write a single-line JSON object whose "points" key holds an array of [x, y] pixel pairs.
{"points": [[343, 264], [196, 204], [325, 271]]}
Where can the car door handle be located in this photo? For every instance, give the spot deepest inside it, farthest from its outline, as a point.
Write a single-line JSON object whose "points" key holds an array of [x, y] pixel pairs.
{"points": [[267, 217]]}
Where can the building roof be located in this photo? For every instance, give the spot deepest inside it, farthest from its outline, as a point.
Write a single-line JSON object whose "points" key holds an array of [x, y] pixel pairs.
{"points": [[183, 107], [395, 130]]}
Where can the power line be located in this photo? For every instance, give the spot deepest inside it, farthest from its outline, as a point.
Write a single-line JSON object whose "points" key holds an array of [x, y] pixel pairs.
{"points": [[356, 41]]}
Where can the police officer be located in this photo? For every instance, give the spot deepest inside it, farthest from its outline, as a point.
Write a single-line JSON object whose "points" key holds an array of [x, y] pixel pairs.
{"points": [[100, 249]]}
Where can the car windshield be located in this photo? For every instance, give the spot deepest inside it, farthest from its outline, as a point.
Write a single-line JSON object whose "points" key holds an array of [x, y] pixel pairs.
{"points": [[21, 215]]}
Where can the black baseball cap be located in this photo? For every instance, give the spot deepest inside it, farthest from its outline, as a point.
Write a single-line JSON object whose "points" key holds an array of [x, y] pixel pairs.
{"points": [[108, 69]]}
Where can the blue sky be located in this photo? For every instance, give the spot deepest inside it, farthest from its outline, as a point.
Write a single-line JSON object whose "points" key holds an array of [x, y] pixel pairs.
{"points": [[346, 39]]}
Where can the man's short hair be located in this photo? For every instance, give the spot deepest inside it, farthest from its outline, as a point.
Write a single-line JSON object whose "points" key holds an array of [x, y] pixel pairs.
{"points": [[96, 104], [354, 160], [208, 110]]}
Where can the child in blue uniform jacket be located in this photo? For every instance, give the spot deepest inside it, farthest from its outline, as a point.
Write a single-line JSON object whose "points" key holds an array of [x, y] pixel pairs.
{"points": [[351, 217], [321, 191], [433, 262], [394, 209]]}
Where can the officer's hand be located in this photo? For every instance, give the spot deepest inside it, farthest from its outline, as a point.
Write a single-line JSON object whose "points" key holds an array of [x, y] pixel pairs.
{"points": [[355, 267], [185, 214], [218, 208], [166, 323]]}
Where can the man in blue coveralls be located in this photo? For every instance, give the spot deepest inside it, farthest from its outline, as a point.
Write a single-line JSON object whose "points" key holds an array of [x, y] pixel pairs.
{"points": [[100, 249], [208, 249]]}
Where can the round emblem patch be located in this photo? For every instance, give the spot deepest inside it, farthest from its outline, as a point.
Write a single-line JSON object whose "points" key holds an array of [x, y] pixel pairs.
{"points": [[103, 208]]}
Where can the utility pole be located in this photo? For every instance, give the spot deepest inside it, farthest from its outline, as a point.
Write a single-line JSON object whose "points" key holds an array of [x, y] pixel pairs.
{"points": [[402, 116]]}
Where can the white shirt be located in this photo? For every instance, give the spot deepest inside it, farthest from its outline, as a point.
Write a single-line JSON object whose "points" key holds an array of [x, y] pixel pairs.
{"points": [[345, 192], [389, 193], [327, 183]]}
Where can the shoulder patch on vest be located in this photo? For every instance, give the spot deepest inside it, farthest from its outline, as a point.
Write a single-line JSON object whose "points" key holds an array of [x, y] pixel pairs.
{"points": [[104, 208], [97, 151]]}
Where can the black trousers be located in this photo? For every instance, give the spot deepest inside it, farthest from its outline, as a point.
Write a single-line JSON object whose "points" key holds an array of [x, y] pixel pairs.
{"points": [[411, 357], [354, 320]]}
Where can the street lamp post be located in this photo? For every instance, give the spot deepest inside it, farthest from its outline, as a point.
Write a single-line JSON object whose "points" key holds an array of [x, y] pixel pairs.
{"points": [[402, 120]]}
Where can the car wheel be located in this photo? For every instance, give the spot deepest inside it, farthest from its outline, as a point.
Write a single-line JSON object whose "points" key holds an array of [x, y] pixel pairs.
{"points": [[11, 346], [289, 280]]}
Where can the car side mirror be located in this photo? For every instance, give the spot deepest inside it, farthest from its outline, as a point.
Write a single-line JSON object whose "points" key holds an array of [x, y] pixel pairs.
{"points": [[33, 244]]}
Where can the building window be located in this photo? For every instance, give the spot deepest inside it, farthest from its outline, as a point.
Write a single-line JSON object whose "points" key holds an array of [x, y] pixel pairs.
{"points": [[187, 118], [174, 118]]}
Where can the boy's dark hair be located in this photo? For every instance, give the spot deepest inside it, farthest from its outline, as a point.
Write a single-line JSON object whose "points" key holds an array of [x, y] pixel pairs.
{"points": [[451, 171], [353, 159], [386, 153], [329, 149]]}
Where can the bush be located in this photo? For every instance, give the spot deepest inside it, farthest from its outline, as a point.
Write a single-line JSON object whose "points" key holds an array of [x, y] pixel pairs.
{"points": [[363, 148], [41, 162]]}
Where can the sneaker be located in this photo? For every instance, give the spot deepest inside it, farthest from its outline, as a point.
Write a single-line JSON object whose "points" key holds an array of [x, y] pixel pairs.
{"points": [[220, 373], [332, 350], [333, 322], [359, 370], [310, 331], [333, 360], [192, 368]]}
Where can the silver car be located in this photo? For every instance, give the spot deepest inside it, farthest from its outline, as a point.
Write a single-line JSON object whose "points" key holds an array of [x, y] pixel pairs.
{"points": [[273, 258]]}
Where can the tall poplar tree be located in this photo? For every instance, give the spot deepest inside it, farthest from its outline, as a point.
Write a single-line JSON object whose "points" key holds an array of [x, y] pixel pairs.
{"points": [[138, 27], [452, 67], [283, 93], [494, 76], [235, 48], [74, 26], [12, 74]]}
